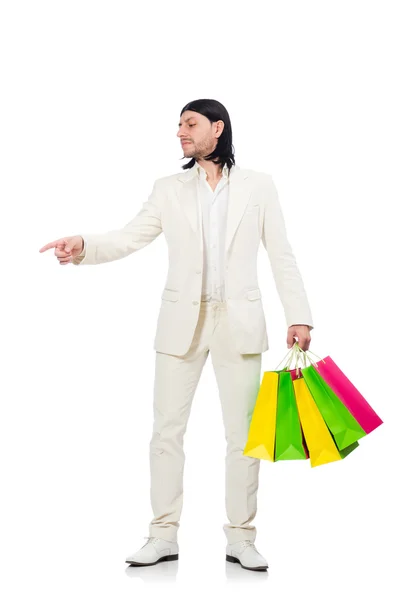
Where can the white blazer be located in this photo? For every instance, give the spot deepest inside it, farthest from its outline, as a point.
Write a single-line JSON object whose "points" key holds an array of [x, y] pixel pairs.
{"points": [[254, 214]]}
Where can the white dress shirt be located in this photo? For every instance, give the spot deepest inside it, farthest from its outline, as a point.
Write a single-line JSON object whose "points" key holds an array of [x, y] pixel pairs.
{"points": [[214, 204]]}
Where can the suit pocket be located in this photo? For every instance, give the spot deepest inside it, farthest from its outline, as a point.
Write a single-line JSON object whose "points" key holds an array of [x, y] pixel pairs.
{"points": [[253, 294], [252, 209], [172, 295]]}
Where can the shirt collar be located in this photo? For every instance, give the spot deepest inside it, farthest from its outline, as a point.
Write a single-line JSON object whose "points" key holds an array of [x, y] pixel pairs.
{"points": [[202, 173]]}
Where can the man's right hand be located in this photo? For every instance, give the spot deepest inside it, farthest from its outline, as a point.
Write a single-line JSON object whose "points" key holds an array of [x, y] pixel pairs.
{"points": [[66, 248]]}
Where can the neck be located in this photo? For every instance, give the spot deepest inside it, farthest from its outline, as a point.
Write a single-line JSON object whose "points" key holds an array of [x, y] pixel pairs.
{"points": [[213, 171]]}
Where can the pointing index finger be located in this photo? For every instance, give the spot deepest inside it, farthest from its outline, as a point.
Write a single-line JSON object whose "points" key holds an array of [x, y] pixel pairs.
{"points": [[50, 245]]}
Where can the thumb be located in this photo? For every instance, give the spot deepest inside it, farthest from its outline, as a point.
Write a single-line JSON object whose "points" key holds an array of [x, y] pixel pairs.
{"points": [[70, 243], [290, 339]]}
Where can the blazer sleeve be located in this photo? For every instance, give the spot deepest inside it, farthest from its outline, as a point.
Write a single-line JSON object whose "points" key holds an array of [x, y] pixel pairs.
{"points": [[119, 243], [285, 270]]}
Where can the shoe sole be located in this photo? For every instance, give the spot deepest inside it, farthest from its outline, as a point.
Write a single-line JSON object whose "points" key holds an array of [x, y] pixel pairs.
{"points": [[233, 559], [162, 559]]}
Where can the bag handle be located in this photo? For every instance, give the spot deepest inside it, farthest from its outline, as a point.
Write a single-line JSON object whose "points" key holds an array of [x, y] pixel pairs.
{"points": [[297, 353], [306, 355], [294, 355]]}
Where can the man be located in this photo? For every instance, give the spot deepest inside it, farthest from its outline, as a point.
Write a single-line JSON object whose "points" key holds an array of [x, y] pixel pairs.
{"points": [[214, 216]]}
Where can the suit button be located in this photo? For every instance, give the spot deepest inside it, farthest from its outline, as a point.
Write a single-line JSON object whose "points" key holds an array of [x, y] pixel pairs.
{"points": [[194, 302], [198, 271]]}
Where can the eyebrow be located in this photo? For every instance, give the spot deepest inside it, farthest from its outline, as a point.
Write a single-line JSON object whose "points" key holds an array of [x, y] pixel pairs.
{"points": [[186, 120]]}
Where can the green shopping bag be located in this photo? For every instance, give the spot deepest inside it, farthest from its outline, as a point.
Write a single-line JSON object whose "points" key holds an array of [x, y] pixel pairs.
{"points": [[341, 423], [289, 437]]}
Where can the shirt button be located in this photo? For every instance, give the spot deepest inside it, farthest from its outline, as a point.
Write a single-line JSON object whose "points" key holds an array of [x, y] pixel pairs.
{"points": [[194, 302], [198, 271]]}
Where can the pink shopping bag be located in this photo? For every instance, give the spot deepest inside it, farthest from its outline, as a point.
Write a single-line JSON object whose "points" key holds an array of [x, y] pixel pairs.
{"points": [[348, 394]]}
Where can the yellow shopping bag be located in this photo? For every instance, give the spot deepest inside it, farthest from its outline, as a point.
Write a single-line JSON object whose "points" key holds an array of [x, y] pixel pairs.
{"points": [[320, 443], [262, 431]]}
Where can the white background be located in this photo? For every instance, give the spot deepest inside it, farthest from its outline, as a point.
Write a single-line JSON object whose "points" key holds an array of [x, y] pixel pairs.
{"points": [[91, 94]]}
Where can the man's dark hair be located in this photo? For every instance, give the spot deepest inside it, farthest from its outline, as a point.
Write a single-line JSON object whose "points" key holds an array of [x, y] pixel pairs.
{"points": [[223, 153]]}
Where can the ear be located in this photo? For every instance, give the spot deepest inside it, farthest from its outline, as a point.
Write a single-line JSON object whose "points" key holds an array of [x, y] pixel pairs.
{"points": [[220, 125]]}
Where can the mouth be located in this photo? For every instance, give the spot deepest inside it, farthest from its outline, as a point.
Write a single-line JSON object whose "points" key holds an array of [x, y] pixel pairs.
{"points": [[186, 143]]}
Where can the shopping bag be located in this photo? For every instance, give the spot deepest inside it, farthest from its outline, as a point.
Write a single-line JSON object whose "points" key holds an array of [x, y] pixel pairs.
{"points": [[348, 394], [262, 429], [295, 373], [289, 442], [320, 443], [341, 423]]}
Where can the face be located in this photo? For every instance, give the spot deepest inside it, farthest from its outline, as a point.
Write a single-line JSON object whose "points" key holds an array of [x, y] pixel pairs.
{"points": [[198, 136]]}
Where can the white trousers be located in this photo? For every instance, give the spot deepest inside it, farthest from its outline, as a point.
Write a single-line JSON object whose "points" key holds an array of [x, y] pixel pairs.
{"points": [[176, 379]]}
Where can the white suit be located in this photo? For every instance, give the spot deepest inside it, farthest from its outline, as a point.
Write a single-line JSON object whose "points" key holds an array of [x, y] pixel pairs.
{"points": [[254, 214], [188, 329]]}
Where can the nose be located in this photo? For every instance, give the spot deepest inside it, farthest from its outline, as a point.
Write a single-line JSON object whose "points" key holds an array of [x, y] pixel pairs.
{"points": [[181, 133]]}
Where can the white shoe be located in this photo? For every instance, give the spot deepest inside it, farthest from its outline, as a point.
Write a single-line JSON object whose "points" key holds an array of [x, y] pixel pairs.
{"points": [[247, 555], [155, 550]]}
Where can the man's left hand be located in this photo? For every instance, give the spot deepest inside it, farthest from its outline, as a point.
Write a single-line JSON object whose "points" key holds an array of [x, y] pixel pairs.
{"points": [[302, 332]]}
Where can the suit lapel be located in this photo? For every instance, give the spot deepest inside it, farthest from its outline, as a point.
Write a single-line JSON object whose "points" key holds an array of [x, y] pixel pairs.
{"points": [[239, 195]]}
